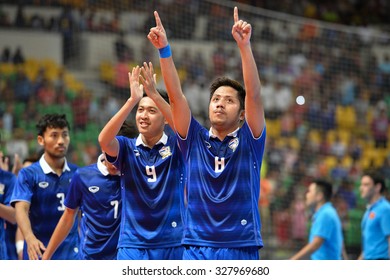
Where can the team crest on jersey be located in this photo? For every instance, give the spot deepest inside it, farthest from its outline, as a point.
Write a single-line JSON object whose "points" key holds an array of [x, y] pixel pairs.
{"points": [[136, 152], [165, 151], [233, 144], [93, 189], [2, 187], [207, 145], [43, 185]]}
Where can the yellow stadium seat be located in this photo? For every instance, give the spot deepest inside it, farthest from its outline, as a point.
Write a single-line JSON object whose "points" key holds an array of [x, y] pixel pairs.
{"points": [[273, 128], [345, 117], [330, 162], [315, 136]]}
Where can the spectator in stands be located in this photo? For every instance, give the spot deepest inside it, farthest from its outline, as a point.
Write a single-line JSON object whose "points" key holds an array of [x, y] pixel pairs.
{"points": [[123, 52], [380, 126], [326, 236], [338, 147], [20, 19], [46, 93], [6, 55], [346, 192], [376, 220], [66, 25], [266, 33], [23, 87], [18, 57]]}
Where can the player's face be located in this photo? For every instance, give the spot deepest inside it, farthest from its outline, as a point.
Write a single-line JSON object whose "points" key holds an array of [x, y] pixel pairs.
{"points": [[224, 108], [367, 188], [55, 142], [311, 195], [150, 121]]}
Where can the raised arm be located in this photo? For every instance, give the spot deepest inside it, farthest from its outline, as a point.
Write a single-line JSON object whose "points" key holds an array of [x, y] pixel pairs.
{"points": [[148, 80], [254, 111], [180, 109], [107, 140]]}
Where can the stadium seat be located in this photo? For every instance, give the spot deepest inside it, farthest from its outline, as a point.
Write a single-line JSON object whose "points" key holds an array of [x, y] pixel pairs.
{"points": [[345, 117]]}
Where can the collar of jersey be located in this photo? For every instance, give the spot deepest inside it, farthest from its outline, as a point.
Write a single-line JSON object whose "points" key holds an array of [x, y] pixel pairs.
{"points": [[232, 134], [46, 167], [163, 140]]}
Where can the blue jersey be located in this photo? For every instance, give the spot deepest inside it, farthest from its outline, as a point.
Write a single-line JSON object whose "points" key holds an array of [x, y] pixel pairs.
{"points": [[7, 183], [40, 186], [376, 230], [10, 239], [98, 194], [327, 225], [152, 193], [223, 187]]}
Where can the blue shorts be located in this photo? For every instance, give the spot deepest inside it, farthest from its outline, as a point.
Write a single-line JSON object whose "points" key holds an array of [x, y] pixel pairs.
{"points": [[173, 253], [211, 253]]}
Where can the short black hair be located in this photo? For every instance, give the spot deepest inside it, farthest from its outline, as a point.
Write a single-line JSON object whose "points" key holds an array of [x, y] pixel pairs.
{"points": [[325, 188], [163, 94], [52, 121], [225, 81], [377, 178], [128, 129]]}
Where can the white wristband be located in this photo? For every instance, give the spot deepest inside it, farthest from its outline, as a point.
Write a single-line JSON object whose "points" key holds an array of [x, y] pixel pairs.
{"points": [[19, 246]]}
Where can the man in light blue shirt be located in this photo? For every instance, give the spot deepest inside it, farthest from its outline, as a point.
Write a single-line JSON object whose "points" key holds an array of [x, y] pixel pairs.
{"points": [[376, 220], [326, 238]]}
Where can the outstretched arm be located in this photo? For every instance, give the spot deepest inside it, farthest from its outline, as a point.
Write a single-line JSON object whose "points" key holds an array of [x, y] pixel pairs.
{"points": [[180, 109], [254, 111], [149, 82], [107, 139], [309, 248], [61, 231]]}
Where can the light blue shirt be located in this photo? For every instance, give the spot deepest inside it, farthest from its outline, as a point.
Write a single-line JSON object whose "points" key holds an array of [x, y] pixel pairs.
{"points": [[327, 225], [376, 230]]}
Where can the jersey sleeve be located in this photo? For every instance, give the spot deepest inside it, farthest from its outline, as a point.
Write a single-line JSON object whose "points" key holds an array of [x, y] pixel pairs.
{"points": [[193, 131], [9, 189], [74, 196], [23, 189]]}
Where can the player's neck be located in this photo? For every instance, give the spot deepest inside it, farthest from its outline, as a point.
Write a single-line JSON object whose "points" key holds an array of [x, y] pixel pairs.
{"points": [[151, 141], [57, 164], [374, 199], [221, 133]]}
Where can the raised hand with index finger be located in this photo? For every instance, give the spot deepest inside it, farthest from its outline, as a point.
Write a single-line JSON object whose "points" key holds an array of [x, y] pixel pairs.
{"points": [[157, 35], [241, 30]]}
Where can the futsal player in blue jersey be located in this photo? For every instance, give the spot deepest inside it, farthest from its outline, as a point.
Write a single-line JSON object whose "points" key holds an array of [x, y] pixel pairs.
{"points": [[95, 190], [223, 163], [152, 175], [326, 236], [40, 191], [376, 220], [7, 212]]}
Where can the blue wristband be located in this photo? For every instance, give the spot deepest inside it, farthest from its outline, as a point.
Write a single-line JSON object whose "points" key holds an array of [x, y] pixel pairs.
{"points": [[165, 51]]}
